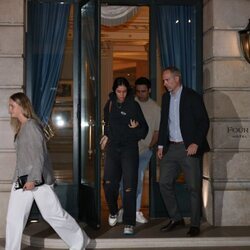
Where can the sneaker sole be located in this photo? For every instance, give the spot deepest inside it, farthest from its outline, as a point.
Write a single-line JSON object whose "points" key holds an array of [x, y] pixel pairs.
{"points": [[125, 233], [112, 224]]}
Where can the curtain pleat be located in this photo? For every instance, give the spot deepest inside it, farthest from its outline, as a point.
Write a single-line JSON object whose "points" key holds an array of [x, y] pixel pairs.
{"points": [[177, 40], [117, 15]]}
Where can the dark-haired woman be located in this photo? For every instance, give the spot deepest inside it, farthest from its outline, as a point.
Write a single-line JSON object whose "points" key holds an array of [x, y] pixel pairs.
{"points": [[33, 161], [125, 125]]}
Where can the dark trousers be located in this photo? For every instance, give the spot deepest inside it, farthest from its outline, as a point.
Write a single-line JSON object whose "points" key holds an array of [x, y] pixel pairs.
{"points": [[170, 166], [121, 161]]}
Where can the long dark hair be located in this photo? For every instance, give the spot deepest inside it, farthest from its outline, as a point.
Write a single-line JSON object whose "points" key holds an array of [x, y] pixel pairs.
{"points": [[121, 81]]}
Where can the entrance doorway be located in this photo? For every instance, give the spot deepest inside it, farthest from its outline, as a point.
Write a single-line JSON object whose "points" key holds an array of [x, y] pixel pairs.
{"points": [[124, 53], [119, 59], [129, 49]]}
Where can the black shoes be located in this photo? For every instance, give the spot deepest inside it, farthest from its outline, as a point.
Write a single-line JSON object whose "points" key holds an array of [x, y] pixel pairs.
{"points": [[193, 231], [172, 224]]}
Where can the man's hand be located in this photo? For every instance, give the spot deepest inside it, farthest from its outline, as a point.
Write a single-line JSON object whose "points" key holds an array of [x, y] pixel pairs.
{"points": [[192, 149], [160, 153]]}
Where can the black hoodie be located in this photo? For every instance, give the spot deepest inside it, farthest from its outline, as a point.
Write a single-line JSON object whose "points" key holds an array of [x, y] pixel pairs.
{"points": [[117, 118]]}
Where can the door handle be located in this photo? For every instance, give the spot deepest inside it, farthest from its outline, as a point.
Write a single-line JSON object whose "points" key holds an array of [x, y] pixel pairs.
{"points": [[91, 133], [103, 124]]}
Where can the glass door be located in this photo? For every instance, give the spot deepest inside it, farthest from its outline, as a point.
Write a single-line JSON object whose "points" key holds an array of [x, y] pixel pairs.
{"points": [[89, 118]]}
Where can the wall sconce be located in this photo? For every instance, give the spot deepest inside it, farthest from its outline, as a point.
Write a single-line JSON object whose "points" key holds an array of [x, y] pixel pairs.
{"points": [[245, 41]]}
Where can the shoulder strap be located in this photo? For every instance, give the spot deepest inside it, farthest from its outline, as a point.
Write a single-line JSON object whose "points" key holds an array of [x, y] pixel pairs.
{"points": [[110, 104]]}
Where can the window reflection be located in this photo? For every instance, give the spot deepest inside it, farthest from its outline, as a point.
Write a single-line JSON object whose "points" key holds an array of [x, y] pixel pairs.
{"points": [[62, 117]]}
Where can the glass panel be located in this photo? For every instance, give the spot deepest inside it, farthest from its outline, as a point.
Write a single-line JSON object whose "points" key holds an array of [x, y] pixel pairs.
{"points": [[88, 97], [61, 145]]}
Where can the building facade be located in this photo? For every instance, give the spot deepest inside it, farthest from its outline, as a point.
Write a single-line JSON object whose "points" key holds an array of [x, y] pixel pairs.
{"points": [[226, 85]]}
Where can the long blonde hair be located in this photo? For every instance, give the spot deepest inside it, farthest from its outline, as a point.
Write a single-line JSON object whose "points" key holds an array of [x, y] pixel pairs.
{"points": [[23, 101]]}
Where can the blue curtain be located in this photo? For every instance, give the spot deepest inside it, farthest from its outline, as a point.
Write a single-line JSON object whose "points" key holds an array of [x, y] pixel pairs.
{"points": [[47, 30], [177, 40]]}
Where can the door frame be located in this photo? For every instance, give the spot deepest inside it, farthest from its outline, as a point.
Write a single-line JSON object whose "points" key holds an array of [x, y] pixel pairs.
{"points": [[152, 73], [156, 207], [89, 196]]}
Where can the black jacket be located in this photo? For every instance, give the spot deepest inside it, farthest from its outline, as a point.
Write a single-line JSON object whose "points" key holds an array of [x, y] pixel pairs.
{"points": [[194, 121], [117, 118]]}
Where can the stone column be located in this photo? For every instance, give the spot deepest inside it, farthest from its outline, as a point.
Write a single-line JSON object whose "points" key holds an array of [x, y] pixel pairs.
{"points": [[11, 80], [226, 171]]}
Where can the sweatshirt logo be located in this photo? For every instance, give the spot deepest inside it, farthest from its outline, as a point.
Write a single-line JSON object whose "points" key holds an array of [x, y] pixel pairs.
{"points": [[123, 113]]}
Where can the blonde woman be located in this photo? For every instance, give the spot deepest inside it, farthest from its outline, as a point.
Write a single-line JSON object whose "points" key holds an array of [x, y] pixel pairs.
{"points": [[33, 162]]}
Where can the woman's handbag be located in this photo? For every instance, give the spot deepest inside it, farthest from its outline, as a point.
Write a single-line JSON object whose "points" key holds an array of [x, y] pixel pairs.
{"points": [[48, 131], [21, 180]]}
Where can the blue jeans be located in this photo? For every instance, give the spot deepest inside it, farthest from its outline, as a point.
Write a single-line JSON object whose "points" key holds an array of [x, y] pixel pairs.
{"points": [[121, 162], [144, 159]]}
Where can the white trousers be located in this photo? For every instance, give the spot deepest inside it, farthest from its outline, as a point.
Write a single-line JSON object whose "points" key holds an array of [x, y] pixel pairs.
{"points": [[47, 201]]}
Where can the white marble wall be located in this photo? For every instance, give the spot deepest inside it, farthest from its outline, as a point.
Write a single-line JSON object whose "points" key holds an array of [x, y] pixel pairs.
{"points": [[226, 186], [11, 80]]}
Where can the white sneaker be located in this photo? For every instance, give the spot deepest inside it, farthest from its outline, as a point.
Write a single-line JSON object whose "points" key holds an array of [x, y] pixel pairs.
{"points": [[128, 230], [112, 220], [140, 218], [120, 216]]}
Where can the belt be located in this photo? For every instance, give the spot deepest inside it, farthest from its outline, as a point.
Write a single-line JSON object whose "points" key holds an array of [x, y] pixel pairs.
{"points": [[176, 142]]}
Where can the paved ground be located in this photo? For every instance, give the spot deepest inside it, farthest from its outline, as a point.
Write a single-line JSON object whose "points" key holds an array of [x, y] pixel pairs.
{"points": [[192, 248], [151, 231]]}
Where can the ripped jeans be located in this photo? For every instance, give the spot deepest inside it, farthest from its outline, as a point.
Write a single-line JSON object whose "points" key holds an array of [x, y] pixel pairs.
{"points": [[121, 162]]}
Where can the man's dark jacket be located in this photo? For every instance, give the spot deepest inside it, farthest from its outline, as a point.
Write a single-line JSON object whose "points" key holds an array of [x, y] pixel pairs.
{"points": [[194, 121]]}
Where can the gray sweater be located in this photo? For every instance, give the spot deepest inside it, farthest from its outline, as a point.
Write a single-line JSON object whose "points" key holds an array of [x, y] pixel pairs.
{"points": [[32, 154]]}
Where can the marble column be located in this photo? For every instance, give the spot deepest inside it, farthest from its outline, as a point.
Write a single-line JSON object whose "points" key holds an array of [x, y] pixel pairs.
{"points": [[11, 80], [226, 170]]}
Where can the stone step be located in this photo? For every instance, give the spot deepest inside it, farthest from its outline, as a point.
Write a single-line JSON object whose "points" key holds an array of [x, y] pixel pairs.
{"points": [[41, 235], [144, 243]]}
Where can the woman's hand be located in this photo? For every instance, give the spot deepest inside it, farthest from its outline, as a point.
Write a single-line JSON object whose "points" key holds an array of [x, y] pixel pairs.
{"points": [[29, 185], [103, 142], [133, 123]]}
